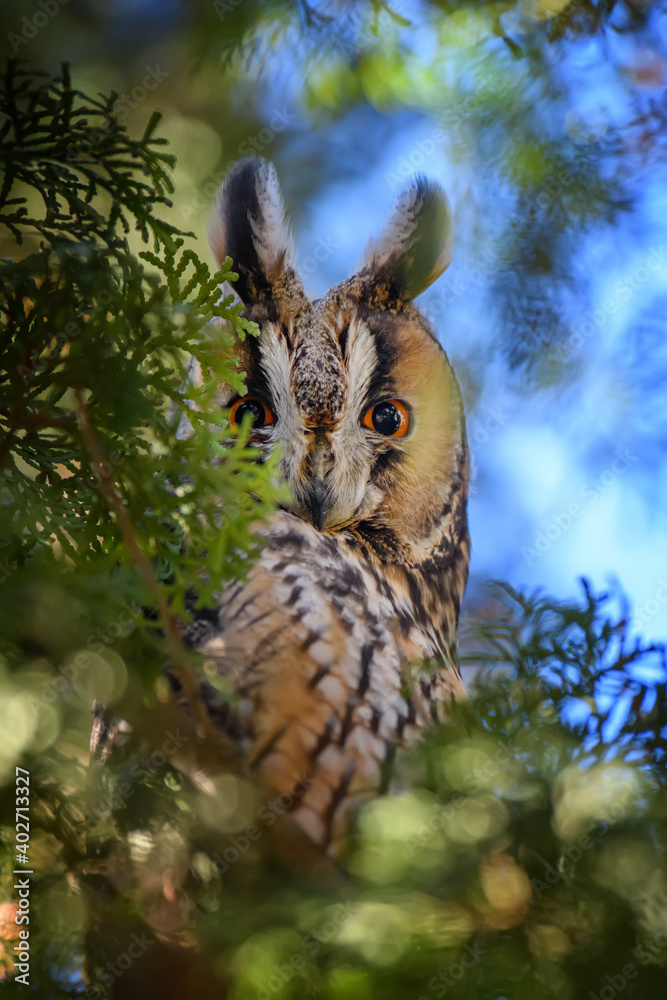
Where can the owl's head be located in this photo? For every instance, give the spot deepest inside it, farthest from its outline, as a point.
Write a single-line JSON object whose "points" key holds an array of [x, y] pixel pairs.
{"points": [[353, 388]]}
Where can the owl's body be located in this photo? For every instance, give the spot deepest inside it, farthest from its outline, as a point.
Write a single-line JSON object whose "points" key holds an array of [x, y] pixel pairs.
{"points": [[341, 643], [323, 648]]}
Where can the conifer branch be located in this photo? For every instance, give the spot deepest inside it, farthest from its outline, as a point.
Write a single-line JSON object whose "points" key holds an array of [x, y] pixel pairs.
{"points": [[102, 469]]}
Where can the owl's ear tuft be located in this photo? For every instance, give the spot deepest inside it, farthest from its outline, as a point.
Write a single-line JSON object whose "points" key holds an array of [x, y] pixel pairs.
{"points": [[249, 225], [415, 247]]}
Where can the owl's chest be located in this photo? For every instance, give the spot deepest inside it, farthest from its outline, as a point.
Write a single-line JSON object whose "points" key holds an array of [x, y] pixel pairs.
{"points": [[313, 598], [322, 653]]}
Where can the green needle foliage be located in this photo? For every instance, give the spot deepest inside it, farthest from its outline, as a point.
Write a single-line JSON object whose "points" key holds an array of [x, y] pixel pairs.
{"points": [[95, 347], [521, 852]]}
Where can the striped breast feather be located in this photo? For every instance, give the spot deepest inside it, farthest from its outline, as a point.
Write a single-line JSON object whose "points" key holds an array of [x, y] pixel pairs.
{"points": [[312, 647]]}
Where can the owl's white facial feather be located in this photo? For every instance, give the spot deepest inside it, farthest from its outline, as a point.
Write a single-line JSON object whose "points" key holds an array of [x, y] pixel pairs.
{"points": [[343, 449], [288, 431]]}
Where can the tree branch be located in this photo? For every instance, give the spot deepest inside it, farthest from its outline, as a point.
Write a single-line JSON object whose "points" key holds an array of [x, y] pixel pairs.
{"points": [[101, 467]]}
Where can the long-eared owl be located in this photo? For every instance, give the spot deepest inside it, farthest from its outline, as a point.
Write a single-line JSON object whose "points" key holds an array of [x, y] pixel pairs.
{"points": [[341, 643]]}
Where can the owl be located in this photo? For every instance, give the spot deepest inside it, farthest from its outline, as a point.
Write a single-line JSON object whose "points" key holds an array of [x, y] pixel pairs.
{"points": [[341, 641]]}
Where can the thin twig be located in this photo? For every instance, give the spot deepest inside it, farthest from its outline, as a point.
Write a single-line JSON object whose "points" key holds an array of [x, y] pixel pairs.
{"points": [[143, 563], [17, 423], [64, 423]]}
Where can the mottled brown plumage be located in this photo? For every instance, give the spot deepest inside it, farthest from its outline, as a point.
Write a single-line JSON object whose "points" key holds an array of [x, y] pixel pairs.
{"points": [[342, 641]]}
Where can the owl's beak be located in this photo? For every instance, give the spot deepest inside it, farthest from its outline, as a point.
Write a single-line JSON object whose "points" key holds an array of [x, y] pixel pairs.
{"points": [[318, 501]]}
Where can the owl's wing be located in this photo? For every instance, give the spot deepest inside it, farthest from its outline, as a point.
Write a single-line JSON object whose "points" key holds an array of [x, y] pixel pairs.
{"points": [[311, 647]]}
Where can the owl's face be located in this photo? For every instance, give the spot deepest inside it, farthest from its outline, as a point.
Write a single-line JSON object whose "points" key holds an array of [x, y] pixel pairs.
{"points": [[353, 389]]}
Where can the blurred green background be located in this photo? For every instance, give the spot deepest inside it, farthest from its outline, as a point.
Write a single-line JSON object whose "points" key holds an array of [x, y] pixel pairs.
{"points": [[524, 853]]}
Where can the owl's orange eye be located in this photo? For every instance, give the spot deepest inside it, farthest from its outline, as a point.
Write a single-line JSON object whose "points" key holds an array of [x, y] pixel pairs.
{"points": [[258, 411], [389, 418]]}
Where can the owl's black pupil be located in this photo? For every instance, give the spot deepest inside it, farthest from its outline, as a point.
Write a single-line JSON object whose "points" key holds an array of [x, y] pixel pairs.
{"points": [[254, 408], [386, 419]]}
